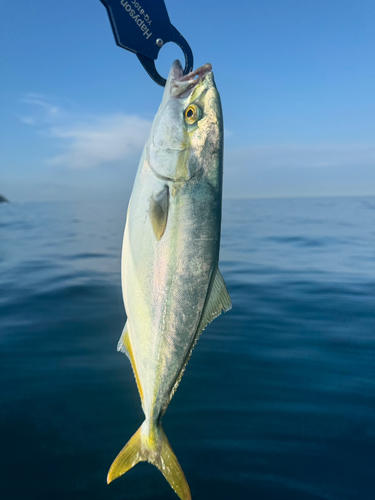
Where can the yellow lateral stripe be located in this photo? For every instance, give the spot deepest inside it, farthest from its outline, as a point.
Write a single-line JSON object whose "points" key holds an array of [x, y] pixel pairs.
{"points": [[134, 366]]}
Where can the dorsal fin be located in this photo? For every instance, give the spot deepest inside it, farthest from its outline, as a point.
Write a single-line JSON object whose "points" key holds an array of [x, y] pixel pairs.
{"points": [[217, 302], [124, 345], [159, 206]]}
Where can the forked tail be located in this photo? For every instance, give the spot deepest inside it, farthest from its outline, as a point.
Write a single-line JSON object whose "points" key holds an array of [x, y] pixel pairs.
{"points": [[151, 445]]}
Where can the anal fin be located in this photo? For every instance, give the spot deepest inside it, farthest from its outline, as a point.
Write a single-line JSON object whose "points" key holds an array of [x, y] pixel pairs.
{"points": [[124, 345], [124, 339]]}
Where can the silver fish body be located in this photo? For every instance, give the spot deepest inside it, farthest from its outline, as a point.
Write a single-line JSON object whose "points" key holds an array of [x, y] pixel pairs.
{"points": [[172, 287]]}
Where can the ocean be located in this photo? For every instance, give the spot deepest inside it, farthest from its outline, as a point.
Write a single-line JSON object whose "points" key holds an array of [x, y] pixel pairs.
{"points": [[278, 399]]}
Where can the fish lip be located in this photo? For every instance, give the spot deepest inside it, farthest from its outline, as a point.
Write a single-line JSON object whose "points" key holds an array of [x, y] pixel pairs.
{"points": [[181, 84], [200, 72]]}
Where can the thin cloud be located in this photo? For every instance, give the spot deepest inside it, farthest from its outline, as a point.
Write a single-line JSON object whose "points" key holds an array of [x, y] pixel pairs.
{"points": [[89, 141], [83, 140], [43, 103], [105, 140], [28, 120]]}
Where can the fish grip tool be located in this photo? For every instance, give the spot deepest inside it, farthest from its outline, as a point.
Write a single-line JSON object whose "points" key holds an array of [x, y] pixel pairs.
{"points": [[144, 28]]}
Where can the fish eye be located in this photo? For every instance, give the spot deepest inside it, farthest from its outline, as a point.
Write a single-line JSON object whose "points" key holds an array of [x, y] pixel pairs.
{"points": [[192, 114]]}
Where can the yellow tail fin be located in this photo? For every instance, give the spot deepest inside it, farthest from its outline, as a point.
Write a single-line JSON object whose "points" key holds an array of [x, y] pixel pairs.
{"points": [[154, 447]]}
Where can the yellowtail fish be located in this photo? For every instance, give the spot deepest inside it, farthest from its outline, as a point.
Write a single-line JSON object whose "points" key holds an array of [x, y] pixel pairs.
{"points": [[171, 283]]}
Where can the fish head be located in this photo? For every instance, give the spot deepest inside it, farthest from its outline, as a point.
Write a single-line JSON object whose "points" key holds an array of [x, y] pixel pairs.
{"points": [[187, 133]]}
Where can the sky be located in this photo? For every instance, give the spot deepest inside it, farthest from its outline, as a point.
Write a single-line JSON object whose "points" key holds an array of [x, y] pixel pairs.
{"points": [[296, 79]]}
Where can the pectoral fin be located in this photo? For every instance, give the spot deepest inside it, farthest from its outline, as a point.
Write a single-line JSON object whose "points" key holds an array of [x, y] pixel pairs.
{"points": [[158, 213]]}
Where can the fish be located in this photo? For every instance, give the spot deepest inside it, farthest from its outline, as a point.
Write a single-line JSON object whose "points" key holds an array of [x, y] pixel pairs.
{"points": [[171, 283]]}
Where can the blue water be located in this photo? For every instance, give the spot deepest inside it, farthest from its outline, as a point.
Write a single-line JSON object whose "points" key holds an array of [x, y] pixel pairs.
{"points": [[278, 399]]}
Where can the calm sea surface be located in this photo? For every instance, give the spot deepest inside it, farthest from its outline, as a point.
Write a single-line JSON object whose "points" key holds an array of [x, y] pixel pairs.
{"points": [[278, 399]]}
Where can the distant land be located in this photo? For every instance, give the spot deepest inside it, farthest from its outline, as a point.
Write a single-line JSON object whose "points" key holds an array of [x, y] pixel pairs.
{"points": [[3, 199]]}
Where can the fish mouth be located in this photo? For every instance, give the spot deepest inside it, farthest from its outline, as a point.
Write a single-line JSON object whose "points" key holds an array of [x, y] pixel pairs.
{"points": [[181, 84]]}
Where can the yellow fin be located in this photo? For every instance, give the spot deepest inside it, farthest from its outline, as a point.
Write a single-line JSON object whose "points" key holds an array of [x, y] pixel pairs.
{"points": [[171, 469], [155, 448], [121, 347], [124, 345], [158, 213], [129, 456]]}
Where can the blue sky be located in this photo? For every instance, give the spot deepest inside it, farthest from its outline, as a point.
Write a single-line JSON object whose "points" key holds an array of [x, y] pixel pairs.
{"points": [[296, 78]]}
